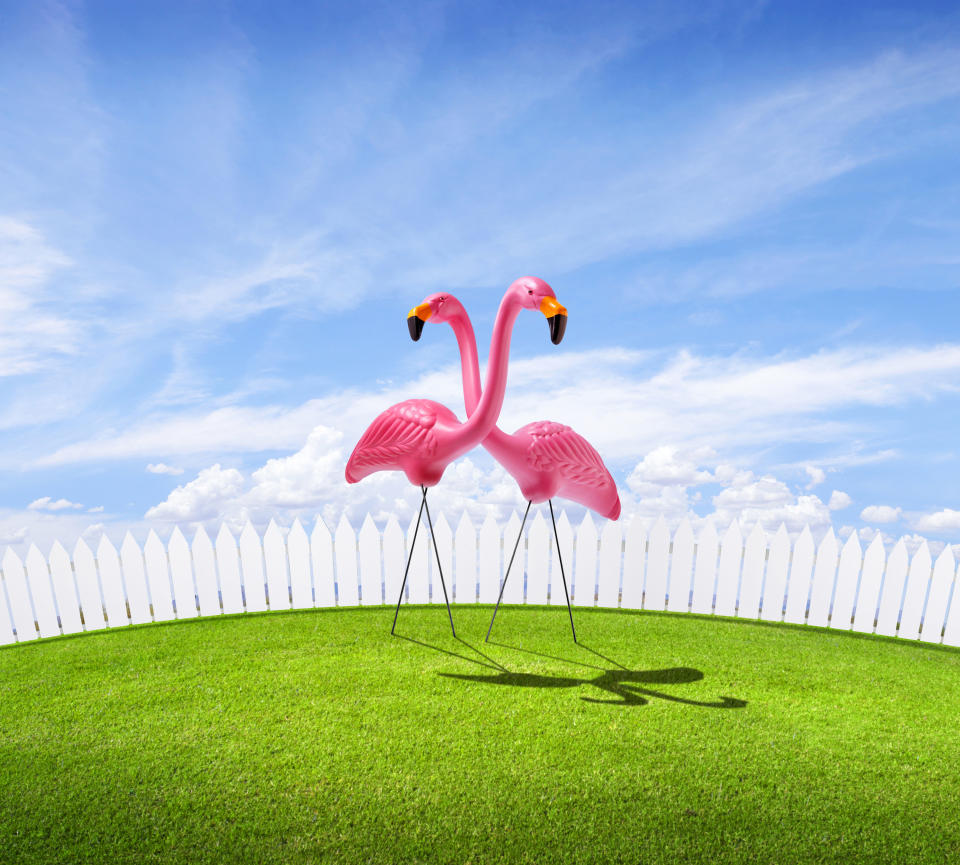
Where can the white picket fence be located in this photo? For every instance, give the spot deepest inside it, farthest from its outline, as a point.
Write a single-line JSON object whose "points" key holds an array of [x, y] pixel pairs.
{"points": [[618, 566]]}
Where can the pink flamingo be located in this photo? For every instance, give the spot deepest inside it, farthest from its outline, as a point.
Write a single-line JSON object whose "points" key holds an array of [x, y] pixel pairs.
{"points": [[545, 458], [421, 437]]}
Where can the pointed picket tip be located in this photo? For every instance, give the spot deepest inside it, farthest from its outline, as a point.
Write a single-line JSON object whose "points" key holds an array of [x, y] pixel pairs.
{"points": [[733, 533], [440, 523], [464, 523], [177, 539], [273, 530], [946, 556], [489, 521], [923, 554], [129, 539], [588, 522], [685, 527], [539, 518], [562, 520], [368, 524], [828, 538], [200, 536], [393, 525], [249, 530], [81, 548], [757, 532], [33, 553], [320, 526], [782, 532], [105, 547], [11, 559], [708, 533], [852, 544], [297, 530]]}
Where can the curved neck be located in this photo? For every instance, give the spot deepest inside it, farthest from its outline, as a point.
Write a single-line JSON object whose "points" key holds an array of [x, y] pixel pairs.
{"points": [[487, 410], [469, 364]]}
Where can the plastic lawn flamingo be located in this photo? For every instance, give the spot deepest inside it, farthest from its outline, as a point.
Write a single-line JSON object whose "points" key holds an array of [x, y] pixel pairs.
{"points": [[421, 437], [546, 458]]}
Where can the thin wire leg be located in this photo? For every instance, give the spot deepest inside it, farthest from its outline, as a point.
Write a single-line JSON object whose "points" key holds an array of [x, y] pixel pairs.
{"points": [[562, 574], [507, 574], [423, 502], [439, 566]]}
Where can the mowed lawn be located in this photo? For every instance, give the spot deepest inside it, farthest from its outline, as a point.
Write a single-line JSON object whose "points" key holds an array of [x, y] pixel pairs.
{"points": [[315, 736]]}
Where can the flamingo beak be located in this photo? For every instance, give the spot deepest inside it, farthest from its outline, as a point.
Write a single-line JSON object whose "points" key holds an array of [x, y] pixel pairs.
{"points": [[415, 319], [556, 314]]}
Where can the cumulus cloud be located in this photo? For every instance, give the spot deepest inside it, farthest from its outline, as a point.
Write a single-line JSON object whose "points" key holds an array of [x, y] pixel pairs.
{"points": [[770, 502], [839, 500], [817, 476], [202, 498], [48, 504], [880, 514], [667, 466], [945, 521], [163, 469]]}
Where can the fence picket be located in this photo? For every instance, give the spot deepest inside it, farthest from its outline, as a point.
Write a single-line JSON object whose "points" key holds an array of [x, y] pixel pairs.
{"points": [[369, 561], [275, 561], [936, 613], [321, 557], [155, 557], [39, 578], [951, 628], [394, 560], [681, 569], [488, 561], [205, 573], [181, 575], [465, 550], [538, 560], [891, 592], [445, 548], [608, 566], [228, 564], [868, 598], [111, 580], [846, 591], [88, 587], [918, 581], [345, 545], [418, 577], [64, 590], [634, 554], [298, 551], [251, 566], [775, 586], [135, 576], [705, 569], [728, 575], [658, 563], [513, 590], [6, 626], [798, 585], [751, 581], [824, 574], [585, 566], [565, 533], [19, 595]]}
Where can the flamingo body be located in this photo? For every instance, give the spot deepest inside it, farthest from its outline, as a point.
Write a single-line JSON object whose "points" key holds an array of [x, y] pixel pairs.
{"points": [[406, 437]]}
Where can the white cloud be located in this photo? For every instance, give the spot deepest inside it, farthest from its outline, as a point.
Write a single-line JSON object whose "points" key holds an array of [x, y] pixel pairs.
{"points": [[770, 502], [13, 536], [880, 514], [305, 478], [202, 498], [99, 509], [666, 466], [163, 469], [817, 476], [946, 521], [48, 504], [839, 500]]}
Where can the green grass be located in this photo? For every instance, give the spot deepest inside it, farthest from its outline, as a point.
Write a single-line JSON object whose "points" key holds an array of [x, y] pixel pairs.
{"points": [[317, 737]]}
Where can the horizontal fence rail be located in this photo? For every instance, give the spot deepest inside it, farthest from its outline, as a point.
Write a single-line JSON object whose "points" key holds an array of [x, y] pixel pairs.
{"points": [[631, 566]]}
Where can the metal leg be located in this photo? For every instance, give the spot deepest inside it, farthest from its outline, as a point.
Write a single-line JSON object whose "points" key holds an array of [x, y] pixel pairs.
{"points": [[423, 503], [439, 566], [507, 574], [562, 574]]}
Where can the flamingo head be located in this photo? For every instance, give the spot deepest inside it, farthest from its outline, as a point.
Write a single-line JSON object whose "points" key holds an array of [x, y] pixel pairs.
{"points": [[439, 307], [534, 293]]}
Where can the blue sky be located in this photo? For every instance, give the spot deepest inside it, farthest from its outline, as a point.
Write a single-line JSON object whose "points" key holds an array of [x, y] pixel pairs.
{"points": [[215, 217]]}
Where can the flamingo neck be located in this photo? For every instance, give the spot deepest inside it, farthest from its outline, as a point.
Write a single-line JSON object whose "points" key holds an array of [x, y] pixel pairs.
{"points": [[470, 368], [487, 410]]}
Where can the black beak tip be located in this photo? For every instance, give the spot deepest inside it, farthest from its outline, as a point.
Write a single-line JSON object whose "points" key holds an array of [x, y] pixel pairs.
{"points": [[415, 326], [558, 327]]}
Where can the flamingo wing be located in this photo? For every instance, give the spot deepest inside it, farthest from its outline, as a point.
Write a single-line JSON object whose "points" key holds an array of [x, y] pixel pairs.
{"points": [[407, 429], [556, 447]]}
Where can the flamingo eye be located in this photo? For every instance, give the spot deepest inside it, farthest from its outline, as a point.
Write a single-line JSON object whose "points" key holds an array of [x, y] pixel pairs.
{"points": [[529, 291]]}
